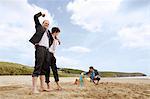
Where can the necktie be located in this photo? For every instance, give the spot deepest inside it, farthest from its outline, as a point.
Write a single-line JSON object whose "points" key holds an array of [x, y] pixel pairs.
{"points": [[48, 34]]}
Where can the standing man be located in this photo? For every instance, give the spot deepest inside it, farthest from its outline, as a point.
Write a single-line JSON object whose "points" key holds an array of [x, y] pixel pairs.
{"points": [[55, 31], [42, 40]]}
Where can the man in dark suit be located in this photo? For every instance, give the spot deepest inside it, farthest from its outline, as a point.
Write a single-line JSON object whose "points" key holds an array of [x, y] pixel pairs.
{"points": [[42, 40]]}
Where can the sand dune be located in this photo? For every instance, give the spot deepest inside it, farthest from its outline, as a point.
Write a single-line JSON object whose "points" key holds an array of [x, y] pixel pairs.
{"points": [[19, 87]]}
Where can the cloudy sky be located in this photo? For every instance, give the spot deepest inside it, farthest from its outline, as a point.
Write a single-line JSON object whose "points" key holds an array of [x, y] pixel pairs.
{"points": [[111, 35]]}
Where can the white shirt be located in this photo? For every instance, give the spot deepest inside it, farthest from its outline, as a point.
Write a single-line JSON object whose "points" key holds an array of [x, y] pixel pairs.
{"points": [[52, 49], [45, 40]]}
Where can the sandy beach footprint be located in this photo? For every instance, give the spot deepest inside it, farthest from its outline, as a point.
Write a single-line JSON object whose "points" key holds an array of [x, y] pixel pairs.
{"points": [[147, 92], [9, 88]]}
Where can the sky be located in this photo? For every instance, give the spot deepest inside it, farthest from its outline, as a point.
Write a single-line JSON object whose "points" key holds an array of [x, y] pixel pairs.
{"points": [[110, 35]]}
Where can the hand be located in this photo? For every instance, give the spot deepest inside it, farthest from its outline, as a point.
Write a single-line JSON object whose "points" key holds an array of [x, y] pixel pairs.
{"points": [[43, 15]]}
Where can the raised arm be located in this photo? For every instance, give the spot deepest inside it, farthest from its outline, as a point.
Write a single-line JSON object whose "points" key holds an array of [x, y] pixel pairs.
{"points": [[36, 16]]}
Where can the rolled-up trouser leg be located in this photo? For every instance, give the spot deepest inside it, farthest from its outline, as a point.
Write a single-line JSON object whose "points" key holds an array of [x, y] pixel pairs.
{"points": [[39, 60]]}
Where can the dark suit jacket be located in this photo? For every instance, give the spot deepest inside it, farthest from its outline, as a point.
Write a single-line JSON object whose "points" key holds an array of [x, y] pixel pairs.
{"points": [[40, 30]]}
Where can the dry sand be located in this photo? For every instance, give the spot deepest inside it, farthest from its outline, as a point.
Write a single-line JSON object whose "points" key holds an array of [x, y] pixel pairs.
{"points": [[19, 87]]}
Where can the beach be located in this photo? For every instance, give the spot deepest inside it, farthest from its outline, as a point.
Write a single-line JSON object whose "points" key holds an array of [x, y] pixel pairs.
{"points": [[19, 87]]}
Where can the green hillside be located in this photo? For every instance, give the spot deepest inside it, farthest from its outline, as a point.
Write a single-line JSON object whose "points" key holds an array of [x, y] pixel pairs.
{"points": [[119, 74], [7, 68], [70, 71]]}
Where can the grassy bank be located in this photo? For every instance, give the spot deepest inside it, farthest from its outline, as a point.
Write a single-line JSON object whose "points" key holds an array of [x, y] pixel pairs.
{"points": [[120, 74], [7, 68]]}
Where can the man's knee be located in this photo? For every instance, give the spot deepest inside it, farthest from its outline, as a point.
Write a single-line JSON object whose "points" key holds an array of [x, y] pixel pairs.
{"points": [[34, 74]]}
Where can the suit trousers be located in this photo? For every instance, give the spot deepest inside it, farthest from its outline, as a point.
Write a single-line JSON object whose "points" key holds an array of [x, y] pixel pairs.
{"points": [[41, 61], [52, 64]]}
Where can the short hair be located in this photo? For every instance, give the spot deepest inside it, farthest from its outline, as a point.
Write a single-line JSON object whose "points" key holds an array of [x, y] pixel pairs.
{"points": [[44, 21], [91, 67], [55, 29]]}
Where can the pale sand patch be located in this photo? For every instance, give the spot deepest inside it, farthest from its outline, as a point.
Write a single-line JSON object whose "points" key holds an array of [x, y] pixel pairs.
{"points": [[19, 87]]}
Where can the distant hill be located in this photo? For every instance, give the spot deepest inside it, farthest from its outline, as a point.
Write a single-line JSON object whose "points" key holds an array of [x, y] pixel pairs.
{"points": [[8, 68], [119, 74]]}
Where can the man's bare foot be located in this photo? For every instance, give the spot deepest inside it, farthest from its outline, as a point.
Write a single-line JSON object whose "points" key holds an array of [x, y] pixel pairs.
{"points": [[35, 91], [48, 90], [59, 87], [43, 89]]}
